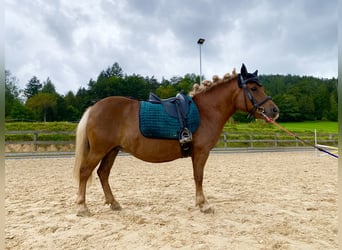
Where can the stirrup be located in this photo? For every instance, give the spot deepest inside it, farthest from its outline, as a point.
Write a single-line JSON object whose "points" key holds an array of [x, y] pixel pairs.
{"points": [[185, 136]]}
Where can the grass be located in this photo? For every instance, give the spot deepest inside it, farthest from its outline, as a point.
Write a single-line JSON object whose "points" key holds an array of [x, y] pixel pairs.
{"points": [[40, 126], [262, 131], [320, 126], [259, 129], [295, 127], [257, 126]]}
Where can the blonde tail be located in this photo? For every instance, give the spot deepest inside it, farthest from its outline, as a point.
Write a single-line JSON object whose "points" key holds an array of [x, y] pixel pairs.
{"points": [[82, 146]]}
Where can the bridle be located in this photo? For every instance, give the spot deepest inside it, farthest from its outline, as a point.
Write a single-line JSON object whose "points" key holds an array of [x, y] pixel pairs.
{"points": [[257, 106]]}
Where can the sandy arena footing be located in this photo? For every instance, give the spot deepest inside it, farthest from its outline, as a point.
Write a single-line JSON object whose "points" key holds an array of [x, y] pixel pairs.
{"points": [[261, 200]]}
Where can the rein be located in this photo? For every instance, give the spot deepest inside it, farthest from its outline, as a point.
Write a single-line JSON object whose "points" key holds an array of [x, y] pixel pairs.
{"points": [[269, 120], [246, 78]]}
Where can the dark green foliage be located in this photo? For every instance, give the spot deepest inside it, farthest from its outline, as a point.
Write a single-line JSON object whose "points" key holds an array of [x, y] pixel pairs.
{"points": [[44, 106], [32, 87], [48, 87], [300, 98], [14, 107], [303, 98]]}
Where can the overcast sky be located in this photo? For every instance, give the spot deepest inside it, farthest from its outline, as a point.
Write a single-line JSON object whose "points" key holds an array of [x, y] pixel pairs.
{"points": [[73, 41]]}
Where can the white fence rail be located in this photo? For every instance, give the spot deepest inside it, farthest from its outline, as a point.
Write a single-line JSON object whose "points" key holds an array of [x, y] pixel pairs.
{"points": [[227, 140]]}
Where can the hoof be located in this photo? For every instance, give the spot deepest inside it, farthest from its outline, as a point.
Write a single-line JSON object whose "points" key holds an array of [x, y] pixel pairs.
{"points": [[83, 212], [207, 209], [115, 206]]}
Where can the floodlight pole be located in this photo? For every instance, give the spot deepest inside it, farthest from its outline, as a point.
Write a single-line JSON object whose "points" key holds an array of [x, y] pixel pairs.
{"points": [[200, 42]]}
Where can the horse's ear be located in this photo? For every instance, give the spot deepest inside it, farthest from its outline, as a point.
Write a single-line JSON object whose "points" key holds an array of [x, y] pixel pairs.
{"points": [[255, 73], [244, 71]]}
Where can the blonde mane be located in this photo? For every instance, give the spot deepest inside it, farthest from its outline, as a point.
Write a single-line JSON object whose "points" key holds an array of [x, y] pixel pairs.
{"points": [[206, 84]]}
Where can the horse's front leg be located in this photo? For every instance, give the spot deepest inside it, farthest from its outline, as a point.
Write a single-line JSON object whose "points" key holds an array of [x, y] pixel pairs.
{"points": [[198, 163]]}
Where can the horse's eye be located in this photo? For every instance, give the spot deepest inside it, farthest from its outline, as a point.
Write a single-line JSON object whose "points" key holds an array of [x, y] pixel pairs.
{"points": [[254, 88]]}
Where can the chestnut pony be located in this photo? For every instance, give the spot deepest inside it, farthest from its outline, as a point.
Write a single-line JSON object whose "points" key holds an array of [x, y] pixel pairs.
{"points": [[112, 124]]}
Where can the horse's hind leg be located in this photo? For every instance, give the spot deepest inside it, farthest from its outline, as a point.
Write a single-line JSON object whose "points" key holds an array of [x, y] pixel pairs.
{"points": [[103, 172], [85, 171]]}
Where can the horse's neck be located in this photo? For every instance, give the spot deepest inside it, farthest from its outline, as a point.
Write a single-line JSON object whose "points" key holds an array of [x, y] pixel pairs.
{"points": [[216, 105]]}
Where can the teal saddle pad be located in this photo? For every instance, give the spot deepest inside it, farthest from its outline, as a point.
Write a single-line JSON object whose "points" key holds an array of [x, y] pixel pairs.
{"points": [[155, 122]]}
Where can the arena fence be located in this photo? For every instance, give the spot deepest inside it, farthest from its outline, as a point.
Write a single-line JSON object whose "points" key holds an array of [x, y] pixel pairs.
{"points": [[329, 148], [40, 140]]}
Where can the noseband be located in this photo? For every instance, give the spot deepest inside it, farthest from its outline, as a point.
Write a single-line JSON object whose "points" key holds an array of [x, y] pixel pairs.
{"points": [[257, 106]]}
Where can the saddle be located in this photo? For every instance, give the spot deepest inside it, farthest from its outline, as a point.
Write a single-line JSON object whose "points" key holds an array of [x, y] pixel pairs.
{"points": [[173, 105], [177, 107]]}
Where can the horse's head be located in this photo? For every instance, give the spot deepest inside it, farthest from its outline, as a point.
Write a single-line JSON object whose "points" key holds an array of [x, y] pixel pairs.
{"points": [[252, 97]]}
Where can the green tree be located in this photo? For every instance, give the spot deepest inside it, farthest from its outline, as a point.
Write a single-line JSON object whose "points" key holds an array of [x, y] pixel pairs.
{"points": [[310, 96], [83, 99], [105, 86], [306, 107], [321, 102], [60, 112], [135, 87], [48, 87], [73, 112], [298, 97], [152, 83], [14, 107], [175, 80], [32, 87], [20, 112], [332, 114], [186, 83], [166, 91], [289, 108], [43, 104], [11, 92], [70, 99], [114, 70]]}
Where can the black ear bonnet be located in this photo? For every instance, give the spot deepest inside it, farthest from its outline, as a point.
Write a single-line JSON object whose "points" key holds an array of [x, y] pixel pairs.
{"points": [[244, 77]]}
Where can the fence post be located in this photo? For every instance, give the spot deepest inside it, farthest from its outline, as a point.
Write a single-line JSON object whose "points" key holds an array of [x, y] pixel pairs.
{"points": [[316, 142], [35, 139], [225, 139]]}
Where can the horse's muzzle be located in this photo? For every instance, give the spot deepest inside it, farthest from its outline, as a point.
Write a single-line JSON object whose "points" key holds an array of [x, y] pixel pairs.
{"points": [[272, 111]]}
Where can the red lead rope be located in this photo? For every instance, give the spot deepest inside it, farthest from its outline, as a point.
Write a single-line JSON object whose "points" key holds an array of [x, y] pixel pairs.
{"points": [[269, 120]]}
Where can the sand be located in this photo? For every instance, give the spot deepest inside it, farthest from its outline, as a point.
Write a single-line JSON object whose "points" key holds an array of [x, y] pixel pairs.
{"points": [[261, 201]]}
